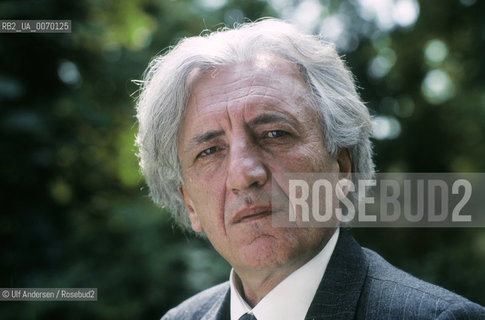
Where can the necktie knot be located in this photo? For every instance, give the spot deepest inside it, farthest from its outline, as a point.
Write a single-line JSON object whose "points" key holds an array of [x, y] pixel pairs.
{"points": [[247, 316]]}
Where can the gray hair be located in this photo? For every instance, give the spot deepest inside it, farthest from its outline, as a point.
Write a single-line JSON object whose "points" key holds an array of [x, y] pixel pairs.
{"points": [[165, 92]]}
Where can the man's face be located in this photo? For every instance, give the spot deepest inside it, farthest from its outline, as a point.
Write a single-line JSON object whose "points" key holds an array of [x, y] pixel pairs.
{"points": [[244, 125]]}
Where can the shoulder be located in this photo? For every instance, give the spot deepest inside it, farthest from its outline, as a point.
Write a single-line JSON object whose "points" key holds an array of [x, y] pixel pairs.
{"points": [[390, 292], [201, 304]]}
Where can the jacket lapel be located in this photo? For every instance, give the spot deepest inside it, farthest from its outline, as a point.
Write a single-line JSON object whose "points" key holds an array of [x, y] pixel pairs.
{"points": [[220, 309], [339, 291]]}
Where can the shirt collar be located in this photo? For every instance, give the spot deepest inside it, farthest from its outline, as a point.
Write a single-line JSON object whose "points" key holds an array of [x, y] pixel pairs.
{"points": [[292, 296]]}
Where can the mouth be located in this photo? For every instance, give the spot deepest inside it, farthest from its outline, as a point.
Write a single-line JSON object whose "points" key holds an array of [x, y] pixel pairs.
{"points": [[252, 213]]}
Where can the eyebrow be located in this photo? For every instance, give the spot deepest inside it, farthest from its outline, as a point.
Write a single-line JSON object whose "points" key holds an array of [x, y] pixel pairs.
{"points": [[206, 136], [271, 118]]}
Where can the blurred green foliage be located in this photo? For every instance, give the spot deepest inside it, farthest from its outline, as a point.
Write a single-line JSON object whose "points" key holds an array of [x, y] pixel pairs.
{"points": [[76, 212]]}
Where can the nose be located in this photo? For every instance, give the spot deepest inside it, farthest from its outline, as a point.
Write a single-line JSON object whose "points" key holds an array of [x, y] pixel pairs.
{"points": [[246, 168]]}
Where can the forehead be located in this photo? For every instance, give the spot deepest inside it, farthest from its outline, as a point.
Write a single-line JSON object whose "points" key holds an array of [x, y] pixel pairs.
{"points": [[264, 80], [263, 70]]}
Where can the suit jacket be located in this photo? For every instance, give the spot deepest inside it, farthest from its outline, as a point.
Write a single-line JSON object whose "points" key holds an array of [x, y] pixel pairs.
{"points": [[357, 284]]}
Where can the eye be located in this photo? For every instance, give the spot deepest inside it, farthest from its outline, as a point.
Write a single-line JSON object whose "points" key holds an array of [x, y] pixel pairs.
{"points": [[207, 152], [275, 134]]}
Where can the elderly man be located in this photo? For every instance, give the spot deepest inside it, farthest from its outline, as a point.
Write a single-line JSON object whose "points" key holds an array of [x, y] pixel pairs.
{"points": [[222, 119]]}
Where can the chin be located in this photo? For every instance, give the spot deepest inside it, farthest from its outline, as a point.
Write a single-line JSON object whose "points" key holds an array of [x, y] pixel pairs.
{"points": [[267, 252]]}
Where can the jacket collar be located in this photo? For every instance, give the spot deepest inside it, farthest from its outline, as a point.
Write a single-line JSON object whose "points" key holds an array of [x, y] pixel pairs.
{"points": [[339, 291], [220, 308]]}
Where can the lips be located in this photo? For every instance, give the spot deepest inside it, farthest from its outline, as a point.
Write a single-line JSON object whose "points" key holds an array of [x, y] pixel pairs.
{"points": [[252, 213]]}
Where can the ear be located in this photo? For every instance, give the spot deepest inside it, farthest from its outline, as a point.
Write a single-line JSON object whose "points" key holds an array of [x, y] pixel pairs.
{"points": [[344, 160], [193, 216]]}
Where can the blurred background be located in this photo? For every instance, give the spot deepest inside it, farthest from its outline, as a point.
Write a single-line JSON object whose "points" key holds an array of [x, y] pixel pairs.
{"points": [[75, 211]]}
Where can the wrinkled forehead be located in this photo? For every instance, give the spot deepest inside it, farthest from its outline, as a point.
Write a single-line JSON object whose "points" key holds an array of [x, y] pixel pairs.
{"points": [[264, 70]]}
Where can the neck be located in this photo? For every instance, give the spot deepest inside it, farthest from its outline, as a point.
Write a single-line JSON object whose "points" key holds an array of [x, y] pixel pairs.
{"points": [[253, 287]]}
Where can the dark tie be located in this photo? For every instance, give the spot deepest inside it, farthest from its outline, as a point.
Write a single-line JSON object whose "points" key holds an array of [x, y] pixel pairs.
{"points": [[248, 316]]}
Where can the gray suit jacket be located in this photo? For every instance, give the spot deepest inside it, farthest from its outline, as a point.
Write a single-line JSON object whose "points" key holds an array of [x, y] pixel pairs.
{"points": [[358, 284]]}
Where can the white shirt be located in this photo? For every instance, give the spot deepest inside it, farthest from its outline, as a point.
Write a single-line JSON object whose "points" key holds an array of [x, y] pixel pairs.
{"points": [[292, 297]]}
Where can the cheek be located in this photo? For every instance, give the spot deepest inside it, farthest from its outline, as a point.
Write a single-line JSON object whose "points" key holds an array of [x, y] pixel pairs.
{"points": [[306, 158], [204, 200], [316, 157], [208, 200]]}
